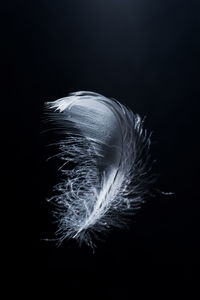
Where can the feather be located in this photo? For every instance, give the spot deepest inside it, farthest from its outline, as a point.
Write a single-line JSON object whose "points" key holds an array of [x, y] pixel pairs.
{"points": [[107, 150]]}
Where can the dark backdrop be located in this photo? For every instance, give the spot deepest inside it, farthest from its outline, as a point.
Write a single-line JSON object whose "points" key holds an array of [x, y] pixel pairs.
{"points": [[145, 54]]}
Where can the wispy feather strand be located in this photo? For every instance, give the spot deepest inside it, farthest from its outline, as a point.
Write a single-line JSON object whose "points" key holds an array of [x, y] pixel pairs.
{"points": [[109, 149]]}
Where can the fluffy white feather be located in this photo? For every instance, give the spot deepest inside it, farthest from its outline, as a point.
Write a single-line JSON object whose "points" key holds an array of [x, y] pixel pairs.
{"points": [[107, 150]]}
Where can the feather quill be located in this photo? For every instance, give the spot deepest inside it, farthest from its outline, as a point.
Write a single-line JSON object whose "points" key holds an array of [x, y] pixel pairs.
{"points": [[109, 150]]}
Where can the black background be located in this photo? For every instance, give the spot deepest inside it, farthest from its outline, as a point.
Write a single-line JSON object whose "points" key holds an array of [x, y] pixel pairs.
{"points": [[145, 54]]}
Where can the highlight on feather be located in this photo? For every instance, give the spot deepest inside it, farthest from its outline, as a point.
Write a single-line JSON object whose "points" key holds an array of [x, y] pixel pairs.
{"points": [[107, 151]]}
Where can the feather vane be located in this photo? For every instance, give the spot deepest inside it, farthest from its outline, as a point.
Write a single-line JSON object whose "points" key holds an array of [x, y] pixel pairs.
{"points": [[109, 149]]}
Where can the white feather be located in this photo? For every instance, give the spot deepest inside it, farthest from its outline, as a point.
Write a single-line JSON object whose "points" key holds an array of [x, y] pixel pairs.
{"points": [[108, 147]]}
